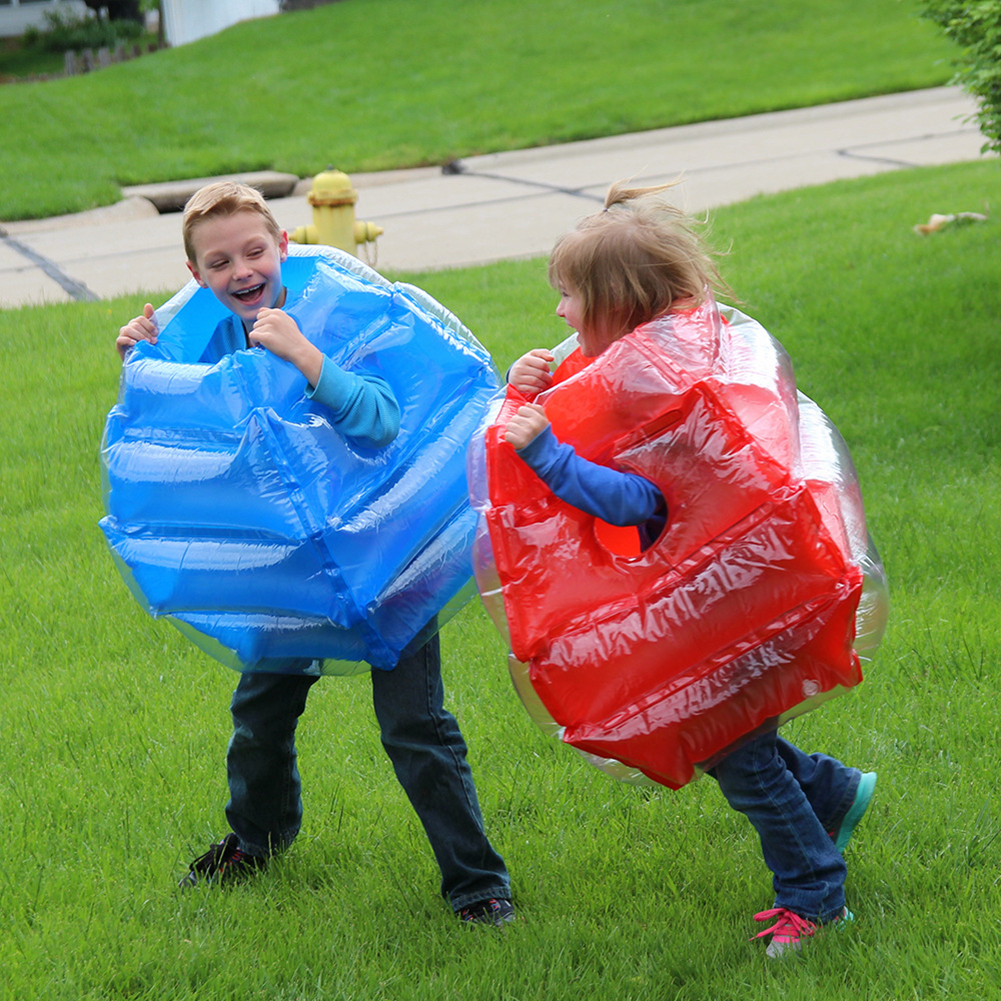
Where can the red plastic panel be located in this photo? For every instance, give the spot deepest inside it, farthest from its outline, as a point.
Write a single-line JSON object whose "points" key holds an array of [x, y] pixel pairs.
{"points": [[742, 612]]}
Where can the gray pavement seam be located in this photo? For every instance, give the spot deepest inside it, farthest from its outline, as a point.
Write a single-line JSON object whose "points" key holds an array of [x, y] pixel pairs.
{"points": [[849, 151], [541, 190], [540, 185], [73, 288]]}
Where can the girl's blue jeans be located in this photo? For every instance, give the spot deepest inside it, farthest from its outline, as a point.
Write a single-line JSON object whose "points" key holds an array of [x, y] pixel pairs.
{"points": [[793, 800], [422, 740]]}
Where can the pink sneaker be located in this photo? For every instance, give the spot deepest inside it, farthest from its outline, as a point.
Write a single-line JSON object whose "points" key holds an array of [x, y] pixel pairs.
{"points": [[789, 930]]}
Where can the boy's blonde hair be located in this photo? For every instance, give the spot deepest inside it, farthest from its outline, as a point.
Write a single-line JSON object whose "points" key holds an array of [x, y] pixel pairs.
{"points": [[636, 260], [224, 198]]}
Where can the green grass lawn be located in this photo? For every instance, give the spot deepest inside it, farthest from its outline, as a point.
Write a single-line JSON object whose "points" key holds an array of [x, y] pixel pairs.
{"points": [[115, 728], [45, 56], [19, 62], [372, 84]]}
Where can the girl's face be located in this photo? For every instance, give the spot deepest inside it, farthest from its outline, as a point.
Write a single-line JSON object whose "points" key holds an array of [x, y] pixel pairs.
{"points": [[595, 338]]}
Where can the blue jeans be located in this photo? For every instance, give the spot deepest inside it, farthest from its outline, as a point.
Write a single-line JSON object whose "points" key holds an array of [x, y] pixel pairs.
{"points": [[793, 800], [422, 740]]}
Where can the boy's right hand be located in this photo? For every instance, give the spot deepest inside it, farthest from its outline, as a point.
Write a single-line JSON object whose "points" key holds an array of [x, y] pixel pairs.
{"points": [[530, 373], [142, 328]]}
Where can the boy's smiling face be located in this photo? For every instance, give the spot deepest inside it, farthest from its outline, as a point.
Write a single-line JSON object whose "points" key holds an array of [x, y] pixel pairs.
{"points": [[239, 260]]}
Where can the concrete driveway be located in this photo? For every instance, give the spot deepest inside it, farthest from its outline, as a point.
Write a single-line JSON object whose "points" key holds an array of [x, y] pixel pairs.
{"points": [[516, 204]]}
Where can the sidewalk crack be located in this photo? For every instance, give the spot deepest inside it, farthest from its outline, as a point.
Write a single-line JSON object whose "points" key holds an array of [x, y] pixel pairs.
{"points": [[74, 289]]}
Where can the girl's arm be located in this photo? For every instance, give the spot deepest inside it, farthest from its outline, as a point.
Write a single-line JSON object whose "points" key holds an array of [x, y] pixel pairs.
{"points": [[530, 374], [614, 496]]}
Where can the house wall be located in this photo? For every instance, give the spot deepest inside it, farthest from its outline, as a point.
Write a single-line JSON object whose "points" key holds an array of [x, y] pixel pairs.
{"points": [[187, 20], [16, 15]]}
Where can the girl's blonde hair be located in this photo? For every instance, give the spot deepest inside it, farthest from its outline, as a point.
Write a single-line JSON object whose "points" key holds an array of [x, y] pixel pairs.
{"points": [[224, 198], [636, 260]]}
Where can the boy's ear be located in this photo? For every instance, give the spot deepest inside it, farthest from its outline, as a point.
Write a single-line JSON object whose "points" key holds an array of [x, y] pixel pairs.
{"points": [[282, 246], [195, 274]]}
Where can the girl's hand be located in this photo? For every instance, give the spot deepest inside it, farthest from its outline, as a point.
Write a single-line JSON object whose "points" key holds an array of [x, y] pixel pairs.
{"points": [[276, 331], [530, 373], [142, 328], [526, 425]]}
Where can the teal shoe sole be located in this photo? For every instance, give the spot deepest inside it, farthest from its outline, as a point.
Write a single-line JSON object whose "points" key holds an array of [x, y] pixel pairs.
{"points": [[863, 797]]}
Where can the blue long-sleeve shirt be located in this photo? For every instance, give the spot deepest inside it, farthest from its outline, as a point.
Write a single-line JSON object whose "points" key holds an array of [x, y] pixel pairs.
{"points": [[618, 497], [362, 407]]}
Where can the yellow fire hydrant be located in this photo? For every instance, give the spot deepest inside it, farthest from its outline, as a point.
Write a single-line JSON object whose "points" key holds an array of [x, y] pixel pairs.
{"points": [[334, 224]]}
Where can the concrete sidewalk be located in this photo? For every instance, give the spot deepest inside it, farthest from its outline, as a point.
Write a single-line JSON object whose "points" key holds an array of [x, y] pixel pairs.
{"points": [[511, 205]]}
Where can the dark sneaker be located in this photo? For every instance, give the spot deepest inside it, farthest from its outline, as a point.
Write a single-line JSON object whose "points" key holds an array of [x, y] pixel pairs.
{"points": [[863, 797], [223, 863], [495, 911]]}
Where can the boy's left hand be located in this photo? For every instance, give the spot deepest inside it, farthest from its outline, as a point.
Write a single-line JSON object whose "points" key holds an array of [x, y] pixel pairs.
{"points": [[526, 425], [276, 331]]}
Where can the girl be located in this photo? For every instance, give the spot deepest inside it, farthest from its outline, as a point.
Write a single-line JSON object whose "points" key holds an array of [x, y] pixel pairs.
{"points": [[638, 260]]}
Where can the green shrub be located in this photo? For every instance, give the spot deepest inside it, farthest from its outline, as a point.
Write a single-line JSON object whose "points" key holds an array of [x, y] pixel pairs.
{"points": [[67, 31], [976, 27]]}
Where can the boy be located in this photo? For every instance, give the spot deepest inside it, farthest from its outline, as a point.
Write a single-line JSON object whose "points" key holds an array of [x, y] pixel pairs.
{"points": [[235, 248]]}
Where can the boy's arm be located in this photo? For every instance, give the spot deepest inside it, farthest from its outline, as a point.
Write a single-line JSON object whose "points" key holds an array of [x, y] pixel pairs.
{"points": [[142, 328], [614, 496], [276, 331], [363, 407]]}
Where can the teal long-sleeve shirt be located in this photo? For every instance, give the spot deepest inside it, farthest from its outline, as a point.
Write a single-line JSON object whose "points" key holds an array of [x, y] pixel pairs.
{"points": [[362, 406]]}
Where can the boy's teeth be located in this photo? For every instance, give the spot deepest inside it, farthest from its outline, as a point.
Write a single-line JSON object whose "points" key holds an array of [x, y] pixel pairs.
{"points": [[248, 293]]}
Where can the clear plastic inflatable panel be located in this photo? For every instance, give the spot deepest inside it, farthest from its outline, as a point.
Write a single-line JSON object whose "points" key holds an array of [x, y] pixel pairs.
{"points": [[236, 509], [756, 603]]}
